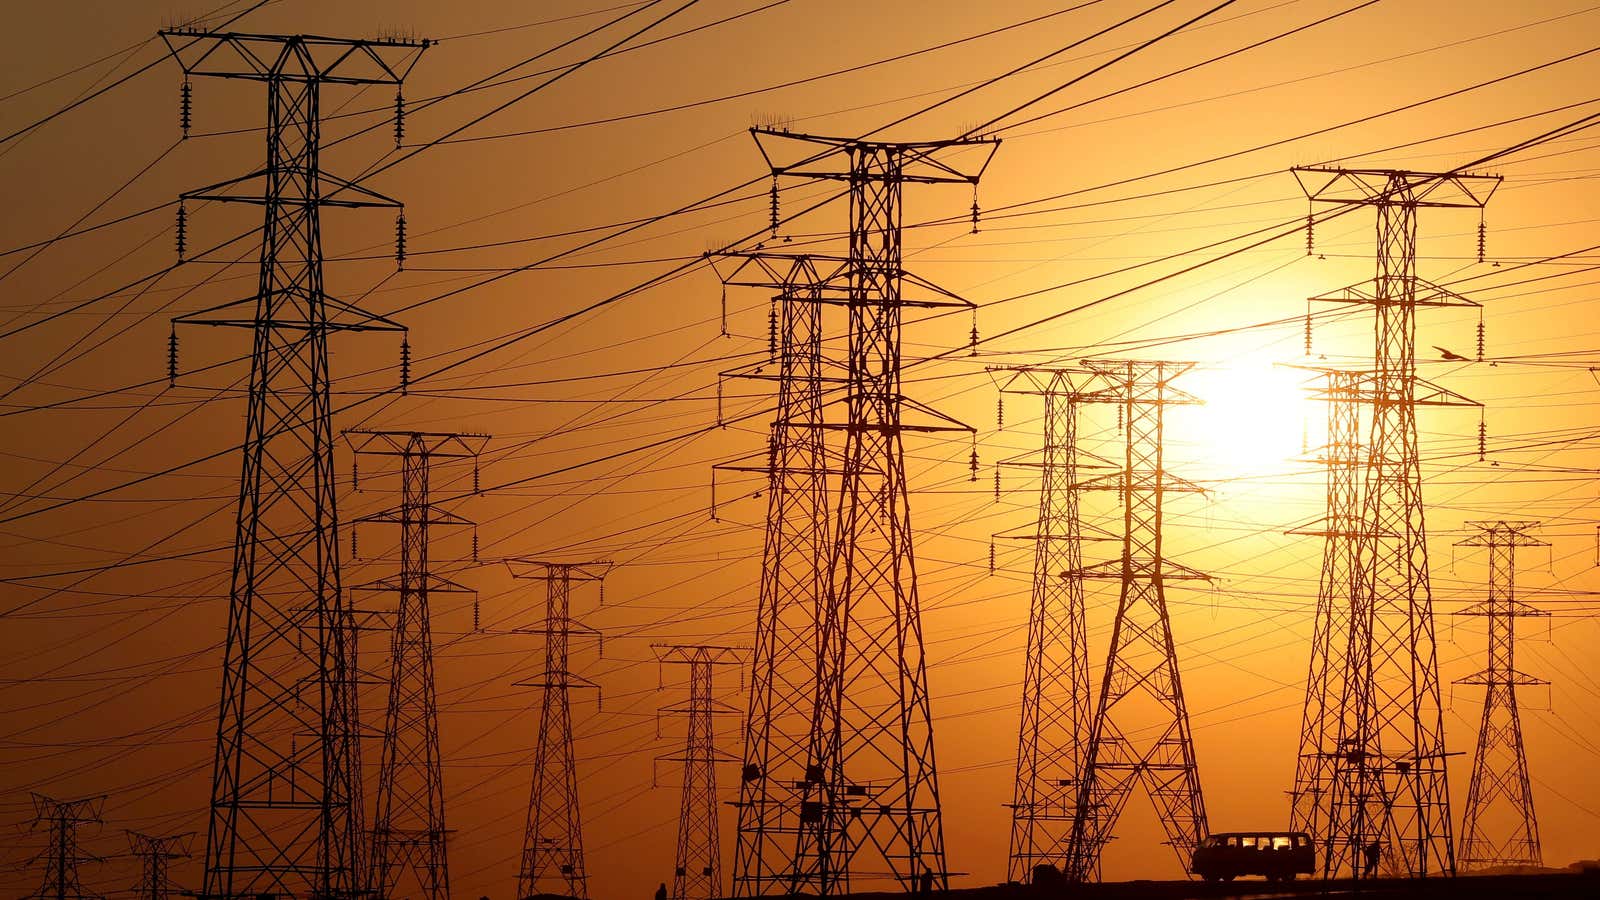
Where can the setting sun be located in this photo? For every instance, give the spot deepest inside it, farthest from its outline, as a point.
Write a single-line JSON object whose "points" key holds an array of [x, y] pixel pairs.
{"points": [[1254, 418]]}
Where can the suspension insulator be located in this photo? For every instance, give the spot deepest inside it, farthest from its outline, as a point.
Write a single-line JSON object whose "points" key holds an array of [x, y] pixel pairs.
{"points": [[1483, 439], [183, 230], [772, 332], [355, 473], [172, 358], [399, 118], [972, 463], [1480, 337], [1483, 239], [474, 545], [1000, 413], [991, 556], [1311, 240], [997, 482], [405, 365], [774, 204], [185, 107], [974, 209], [477, 487], [400, 241], [355, 548], [477, 621], [1308, 333]]}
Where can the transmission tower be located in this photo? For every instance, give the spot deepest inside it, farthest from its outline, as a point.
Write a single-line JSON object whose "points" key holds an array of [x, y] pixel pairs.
{"points": [[286, 807], [793, 573], [1340, 530], [408, 830], [870, 800], [1500, 795], [1129, 742], [697, 867], [1388, 781], [1056, 709], [552, 846], [154, 854], [59, 858]]}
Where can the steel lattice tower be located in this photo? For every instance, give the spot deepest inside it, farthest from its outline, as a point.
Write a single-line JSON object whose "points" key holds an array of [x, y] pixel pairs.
{"points": [[154, 855], [1142, 662], [697, 865], [1056, 704], [1389, 785], [552, 846], [872, 790], [793, 578], [408, 828], [60, 856], [1500, 828], [1330, 640], [286, 806]]}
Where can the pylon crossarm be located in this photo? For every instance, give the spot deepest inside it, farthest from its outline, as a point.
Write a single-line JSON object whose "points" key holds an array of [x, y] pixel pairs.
{"points": [[264, 57]]}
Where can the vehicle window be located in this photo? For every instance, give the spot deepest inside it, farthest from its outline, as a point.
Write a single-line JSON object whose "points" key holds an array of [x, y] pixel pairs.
{"points": [[1247, 842], [1281, 843], [1302, 841], [1233, 841]]}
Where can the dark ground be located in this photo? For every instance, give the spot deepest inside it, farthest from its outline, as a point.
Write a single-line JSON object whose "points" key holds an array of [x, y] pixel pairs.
{"points": [[1558, 885]]}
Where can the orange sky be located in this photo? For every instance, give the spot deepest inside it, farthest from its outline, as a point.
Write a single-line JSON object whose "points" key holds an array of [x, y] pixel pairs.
{"points": [[108, 678]]}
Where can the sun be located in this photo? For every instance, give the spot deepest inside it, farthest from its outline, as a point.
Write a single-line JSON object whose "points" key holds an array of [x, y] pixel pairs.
{"points": [[1254, 417]]}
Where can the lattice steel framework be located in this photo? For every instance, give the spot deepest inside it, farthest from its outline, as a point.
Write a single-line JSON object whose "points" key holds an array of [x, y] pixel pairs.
{"points": [[1500, 828], [62, 853], [1056, 694], [409, 857], [1389, 782], [697, 865], [155, 854], [286, 805], [1339, 529], [552, 845], [793, 574], [872, 792], [1141, 692]]}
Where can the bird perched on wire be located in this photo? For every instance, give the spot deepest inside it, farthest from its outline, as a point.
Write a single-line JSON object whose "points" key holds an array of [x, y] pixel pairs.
{"points": [[1449, 355]]}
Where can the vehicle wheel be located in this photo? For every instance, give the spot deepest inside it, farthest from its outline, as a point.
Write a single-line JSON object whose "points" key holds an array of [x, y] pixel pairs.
{"points": [[1289, 877], [1227, 878]]}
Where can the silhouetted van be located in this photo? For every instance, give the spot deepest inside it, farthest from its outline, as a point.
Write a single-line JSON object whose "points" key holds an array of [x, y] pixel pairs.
{"points": [[1277, 856]]}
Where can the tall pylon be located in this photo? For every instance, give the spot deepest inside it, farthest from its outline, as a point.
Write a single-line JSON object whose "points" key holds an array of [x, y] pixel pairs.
{"points": [[697, 865], [1057, 703], [870, 802], [155, 856], [1340, 529], [1500, 828], [793, 573], [286, 803], [1132, 742], [408, 857], [552, 845], [1389, 785], [62, 853]]}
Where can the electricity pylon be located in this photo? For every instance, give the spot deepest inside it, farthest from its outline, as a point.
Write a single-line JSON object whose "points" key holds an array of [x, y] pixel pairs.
{"points": [[286, 805], [793, 574], [1389, 787], [552, 845], [408, 828], [697, 866], [1056, 694], [1500, 828], [155, 853], [61, 854], [1132, 742], [1339, 529], [870, 801]]}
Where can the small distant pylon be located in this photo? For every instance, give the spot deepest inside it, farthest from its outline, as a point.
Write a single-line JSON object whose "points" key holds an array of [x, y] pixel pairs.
{"points": [[1057, 706], [1500, 828], [1389, 794], [155, 853], [62, 853], [1142, 661], [793, 571], [408, 856], [697, 865], [1339, 529], [552, 846]]}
